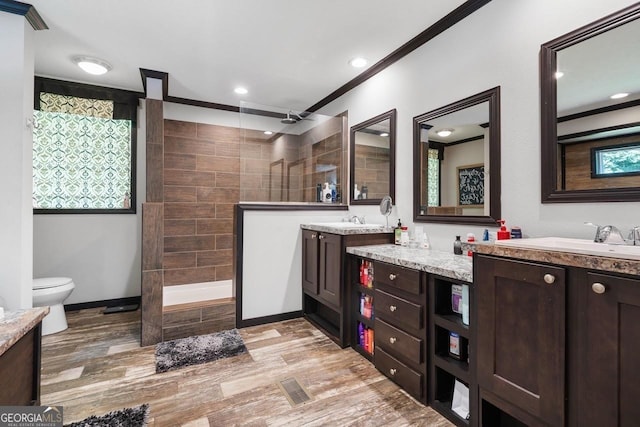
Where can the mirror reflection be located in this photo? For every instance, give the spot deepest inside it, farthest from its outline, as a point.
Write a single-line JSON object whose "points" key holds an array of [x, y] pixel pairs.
{"points": [[457, 162], [373, 159], [591, 112]]}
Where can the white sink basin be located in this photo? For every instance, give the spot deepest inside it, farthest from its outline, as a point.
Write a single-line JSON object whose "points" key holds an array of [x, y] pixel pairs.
{"points": [[346, 225], [580, 246]]}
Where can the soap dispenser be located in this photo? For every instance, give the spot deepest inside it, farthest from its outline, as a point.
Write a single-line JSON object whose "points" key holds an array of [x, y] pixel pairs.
{"points": [[503, 233], [326, 193]]}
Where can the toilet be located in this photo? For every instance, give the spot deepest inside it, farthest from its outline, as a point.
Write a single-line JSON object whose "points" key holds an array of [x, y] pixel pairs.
{"points": [[52, 291]]}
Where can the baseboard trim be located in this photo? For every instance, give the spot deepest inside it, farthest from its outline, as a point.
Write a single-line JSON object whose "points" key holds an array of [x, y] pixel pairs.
{"points": [[268, 319], [103, 303]]}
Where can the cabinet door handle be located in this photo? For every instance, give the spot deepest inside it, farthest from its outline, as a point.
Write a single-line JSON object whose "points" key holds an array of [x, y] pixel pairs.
{"points": [[392, 277], [549, 278], [321, 237], [393, 308], [313, 236], [392, 371], [598, 288], [392, 340]]}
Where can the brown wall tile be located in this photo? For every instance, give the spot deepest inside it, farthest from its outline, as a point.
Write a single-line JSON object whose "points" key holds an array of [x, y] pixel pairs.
{"points": [[227, 149], [179, 227], [183, 317], [224, 272], [224, 241], [151, 331], [185, 276], [218, 133], [217, 164], [179, 161], [224, 210], [189, 243], [227, 180], [218, 195], [152, 232], [219, 311], [179, 128], [154, 173], [189, 178], [215, 258], [214, 226], [175, 193], [154, 121], [209, 327], [174, 144], [179, 260]]}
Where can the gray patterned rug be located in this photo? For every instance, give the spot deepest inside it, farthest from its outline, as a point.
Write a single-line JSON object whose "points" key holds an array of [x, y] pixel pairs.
{"points": [[127, 417], [176, 354]]}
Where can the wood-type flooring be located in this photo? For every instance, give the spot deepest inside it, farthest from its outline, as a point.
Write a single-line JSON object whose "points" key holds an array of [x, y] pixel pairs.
{"points": [[97, 366]]}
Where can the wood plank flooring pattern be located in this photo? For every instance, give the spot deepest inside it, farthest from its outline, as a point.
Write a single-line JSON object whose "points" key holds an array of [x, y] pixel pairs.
{"points": [[96, 366]]}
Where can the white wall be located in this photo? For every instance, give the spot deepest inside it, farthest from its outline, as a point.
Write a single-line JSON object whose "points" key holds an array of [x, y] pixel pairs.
{"points": [[272, 260], [101, 253], [16, 146], [496, 46]]}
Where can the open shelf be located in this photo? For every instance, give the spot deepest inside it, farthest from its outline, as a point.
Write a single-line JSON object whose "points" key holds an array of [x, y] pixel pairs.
{"points": [[457, 368], [364, 289], [452, 322], [365, 321], [444, 408], [444, 396]]}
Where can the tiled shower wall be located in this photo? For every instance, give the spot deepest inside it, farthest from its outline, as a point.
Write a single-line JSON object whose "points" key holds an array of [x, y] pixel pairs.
{"points": [[372, 170], [201, 185]]}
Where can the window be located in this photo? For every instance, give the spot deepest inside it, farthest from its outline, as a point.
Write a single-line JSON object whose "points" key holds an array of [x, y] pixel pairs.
{"points": [[83, 149], [618, 160], [433, 174]]}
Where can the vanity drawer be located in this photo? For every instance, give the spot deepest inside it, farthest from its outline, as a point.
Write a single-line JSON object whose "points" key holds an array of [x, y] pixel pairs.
{"points": [[398, 342], [399, 277], [404, 376], [398, 311]]}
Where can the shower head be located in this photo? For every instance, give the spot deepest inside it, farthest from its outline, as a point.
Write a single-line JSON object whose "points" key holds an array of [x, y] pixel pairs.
{"points": [[289, 120]]}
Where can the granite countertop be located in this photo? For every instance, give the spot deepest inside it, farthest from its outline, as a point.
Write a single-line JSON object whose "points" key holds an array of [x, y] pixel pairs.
{"points": [[17, 324], [339, 228], [437, 262], [609, 264]]}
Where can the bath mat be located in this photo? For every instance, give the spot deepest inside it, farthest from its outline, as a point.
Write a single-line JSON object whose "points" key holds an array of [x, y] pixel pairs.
{"points": [[127, 417], [198, 349]]}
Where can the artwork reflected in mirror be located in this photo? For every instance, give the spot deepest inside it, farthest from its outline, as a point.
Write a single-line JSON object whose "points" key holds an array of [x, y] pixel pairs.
{"points": [[372, 161], [590, 98], [457, 161]]}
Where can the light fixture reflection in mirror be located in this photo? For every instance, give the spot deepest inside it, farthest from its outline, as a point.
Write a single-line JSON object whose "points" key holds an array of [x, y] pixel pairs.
{"points": [[372, 159], [586, 112], [457, 161]]}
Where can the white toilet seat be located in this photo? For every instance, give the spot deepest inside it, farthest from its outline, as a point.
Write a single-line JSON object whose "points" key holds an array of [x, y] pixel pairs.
{"points": [[50, 282]]}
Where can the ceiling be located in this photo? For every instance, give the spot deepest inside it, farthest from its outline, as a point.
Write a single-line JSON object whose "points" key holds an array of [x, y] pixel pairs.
{"points": [[287, 54]]}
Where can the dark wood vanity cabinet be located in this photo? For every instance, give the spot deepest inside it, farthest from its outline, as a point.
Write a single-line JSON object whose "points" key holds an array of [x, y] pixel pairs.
{"points": [[521, 334], [607, 378], [400, 302], [324, 275], [556, 345]]}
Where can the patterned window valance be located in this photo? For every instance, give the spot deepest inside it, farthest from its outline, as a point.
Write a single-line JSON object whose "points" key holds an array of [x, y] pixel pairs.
{"points": [[53, 103]]}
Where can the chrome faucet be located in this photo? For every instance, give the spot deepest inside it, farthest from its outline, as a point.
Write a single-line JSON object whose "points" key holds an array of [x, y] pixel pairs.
{"points": [[357, 219], [634, 236], [608, 234]]}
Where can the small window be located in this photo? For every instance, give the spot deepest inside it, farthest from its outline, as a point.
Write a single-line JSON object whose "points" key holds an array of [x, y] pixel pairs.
{"points": [[83, 149], [615, 161]]}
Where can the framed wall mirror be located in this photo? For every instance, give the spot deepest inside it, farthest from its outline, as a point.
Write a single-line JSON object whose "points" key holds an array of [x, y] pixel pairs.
{"points": [[590, 112], [456, 159], [372, 159]]}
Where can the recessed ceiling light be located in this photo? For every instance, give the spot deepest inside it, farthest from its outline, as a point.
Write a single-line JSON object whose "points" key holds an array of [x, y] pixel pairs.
{"points": [[384, 134], [619, 95], [559, 74], [444, 132], [91, 65], [268, 132], [358, 62], [241, 91]]}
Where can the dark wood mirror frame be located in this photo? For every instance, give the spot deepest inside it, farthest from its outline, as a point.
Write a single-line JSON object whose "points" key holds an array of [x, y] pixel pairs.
{"points": [[493, 97], [391, 116], [548, 103]]}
